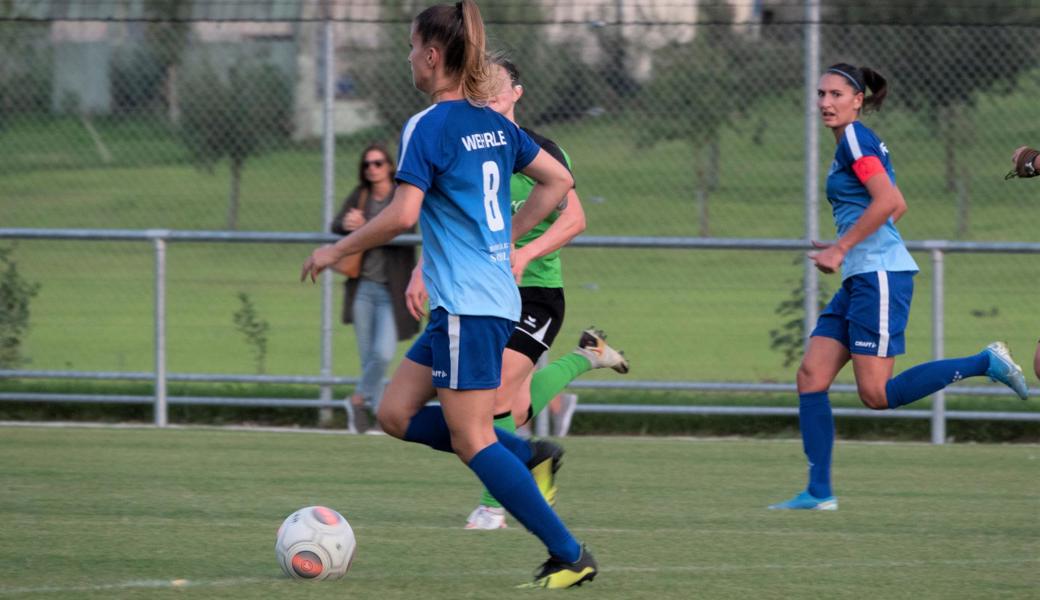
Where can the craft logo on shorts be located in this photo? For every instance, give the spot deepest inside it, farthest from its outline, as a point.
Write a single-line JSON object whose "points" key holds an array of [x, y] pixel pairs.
{"points": [[862, 344]]}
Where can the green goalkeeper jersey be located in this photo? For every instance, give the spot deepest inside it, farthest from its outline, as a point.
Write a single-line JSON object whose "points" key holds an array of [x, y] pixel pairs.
{"points": [[547, 271]]}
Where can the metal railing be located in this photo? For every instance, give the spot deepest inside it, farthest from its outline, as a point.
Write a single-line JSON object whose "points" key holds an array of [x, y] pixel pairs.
{"points": [[161, 401]]}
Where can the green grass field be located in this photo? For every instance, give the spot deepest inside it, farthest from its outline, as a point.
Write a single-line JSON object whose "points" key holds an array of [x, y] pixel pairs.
{"points": [[122, 513]]}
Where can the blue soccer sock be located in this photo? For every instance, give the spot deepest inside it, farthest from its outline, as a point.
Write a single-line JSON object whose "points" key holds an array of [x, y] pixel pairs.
{"points": [[927, 378], [817, 424], [508, 480], [520, 447], [428, 427]]}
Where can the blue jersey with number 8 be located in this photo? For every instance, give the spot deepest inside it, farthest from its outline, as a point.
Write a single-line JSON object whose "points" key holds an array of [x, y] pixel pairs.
{"points": [[462, 157]]}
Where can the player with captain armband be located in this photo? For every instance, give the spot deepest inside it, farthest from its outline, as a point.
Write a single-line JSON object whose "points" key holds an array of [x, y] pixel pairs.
{"points": [[866, 320]]}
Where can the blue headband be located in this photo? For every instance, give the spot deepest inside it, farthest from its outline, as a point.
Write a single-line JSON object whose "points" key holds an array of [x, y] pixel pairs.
{"points": [[852, 79]]}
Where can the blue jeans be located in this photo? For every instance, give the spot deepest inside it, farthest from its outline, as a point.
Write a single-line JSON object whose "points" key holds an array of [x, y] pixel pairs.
{"points": [[376, 338]]}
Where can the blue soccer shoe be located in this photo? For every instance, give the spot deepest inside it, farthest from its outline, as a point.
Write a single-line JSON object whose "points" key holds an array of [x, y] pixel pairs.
{"points": [[1002, 368], [806, 501]]}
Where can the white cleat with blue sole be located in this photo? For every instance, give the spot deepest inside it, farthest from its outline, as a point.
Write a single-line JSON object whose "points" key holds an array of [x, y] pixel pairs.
{"points": [[806, 501]]}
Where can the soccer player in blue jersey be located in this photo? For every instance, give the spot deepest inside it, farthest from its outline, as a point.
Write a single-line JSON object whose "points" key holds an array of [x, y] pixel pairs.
{"points": [[524, 393], [456, 159], [866, 319]]}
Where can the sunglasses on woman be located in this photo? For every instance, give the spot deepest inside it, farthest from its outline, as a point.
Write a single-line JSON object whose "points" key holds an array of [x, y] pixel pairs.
{"points": [[373, 163]]}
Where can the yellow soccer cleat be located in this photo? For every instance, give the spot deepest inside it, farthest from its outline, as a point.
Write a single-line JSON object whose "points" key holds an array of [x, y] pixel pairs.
{"points": [[546, 459], [555, 574]]}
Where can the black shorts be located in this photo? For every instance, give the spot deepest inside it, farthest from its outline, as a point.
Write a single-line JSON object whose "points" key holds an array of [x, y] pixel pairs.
{"points": [[541, 316]]}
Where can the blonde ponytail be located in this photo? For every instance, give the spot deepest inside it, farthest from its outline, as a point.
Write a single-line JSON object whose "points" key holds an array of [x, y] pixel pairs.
{"points": [[478, 85], [459, 31]]}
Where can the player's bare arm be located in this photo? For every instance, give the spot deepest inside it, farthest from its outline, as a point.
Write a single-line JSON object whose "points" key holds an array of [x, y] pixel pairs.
{"points": [[395, 219], [553, 183], [567, 226]]}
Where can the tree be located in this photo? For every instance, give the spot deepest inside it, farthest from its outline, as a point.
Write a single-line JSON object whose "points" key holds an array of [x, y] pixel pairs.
{"points": [[698, 88], [15, 295], [236, 116], [940, 66], [384, 77], [248, 322], [25, 72], [144, 75], [559, 85], [789, 338]]}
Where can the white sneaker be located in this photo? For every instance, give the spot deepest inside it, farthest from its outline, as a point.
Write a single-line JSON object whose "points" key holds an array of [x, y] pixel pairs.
{"points": [[350, 416], [487, 517], [561, 422], [593, 346]]}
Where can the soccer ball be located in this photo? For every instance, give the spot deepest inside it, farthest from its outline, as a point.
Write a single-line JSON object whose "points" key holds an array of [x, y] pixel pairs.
{"points": [[315, 542]]}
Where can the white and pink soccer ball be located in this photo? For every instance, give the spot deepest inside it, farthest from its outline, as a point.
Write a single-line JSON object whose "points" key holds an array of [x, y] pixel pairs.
{"points": [[315, 543]]}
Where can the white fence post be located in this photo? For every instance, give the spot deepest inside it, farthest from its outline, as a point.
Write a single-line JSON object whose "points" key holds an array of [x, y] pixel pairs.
{"points": [[812, 160], [938, 293], [329, 166], [160, 410]]}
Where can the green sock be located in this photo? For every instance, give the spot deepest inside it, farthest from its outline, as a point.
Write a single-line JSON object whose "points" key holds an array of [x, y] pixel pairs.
{"points": [[505, 422], [551, 380], [545, 385]]}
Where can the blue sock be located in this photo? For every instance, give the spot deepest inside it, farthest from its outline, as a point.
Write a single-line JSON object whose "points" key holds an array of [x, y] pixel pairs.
{"points": [[520, 447], [428, 427], [817, 424], [927, 378], [510, 482]]}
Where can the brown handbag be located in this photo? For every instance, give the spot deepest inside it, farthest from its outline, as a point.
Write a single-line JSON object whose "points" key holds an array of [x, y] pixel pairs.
{"points": [[350, 265]]}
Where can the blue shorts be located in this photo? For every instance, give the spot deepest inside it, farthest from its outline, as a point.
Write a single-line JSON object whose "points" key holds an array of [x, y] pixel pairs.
{"points": [[869, 313], [464, 352]]}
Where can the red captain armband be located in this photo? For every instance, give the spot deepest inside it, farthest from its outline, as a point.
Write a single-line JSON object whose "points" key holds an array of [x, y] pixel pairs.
{"points": [[867, 167]]}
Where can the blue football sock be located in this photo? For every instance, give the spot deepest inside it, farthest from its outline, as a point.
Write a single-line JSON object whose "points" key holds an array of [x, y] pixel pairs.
{"points": [[520, 447], [817, 424], [510, 482], [429, 427], [927, 378]]}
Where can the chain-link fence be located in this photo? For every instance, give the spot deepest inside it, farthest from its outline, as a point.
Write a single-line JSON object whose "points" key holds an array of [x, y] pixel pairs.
{"points": [[680, 121]]}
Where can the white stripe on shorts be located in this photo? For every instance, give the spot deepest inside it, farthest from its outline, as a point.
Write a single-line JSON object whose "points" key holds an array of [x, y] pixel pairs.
{"points": [[454, 331], [882, 280]]}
